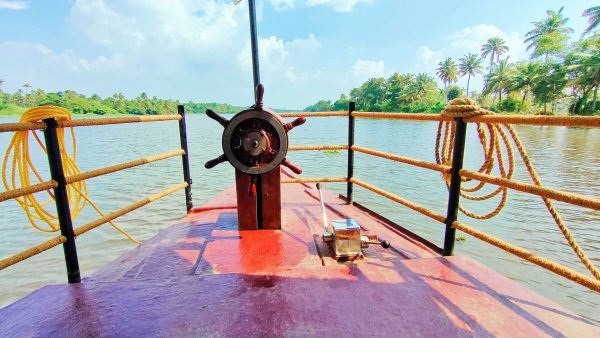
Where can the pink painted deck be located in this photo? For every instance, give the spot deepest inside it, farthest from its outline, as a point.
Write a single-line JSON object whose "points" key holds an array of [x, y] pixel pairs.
{"points": [[203, 277]]}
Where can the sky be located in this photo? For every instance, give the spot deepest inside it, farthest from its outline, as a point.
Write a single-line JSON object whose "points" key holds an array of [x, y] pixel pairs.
{"points": [[199, 50]]}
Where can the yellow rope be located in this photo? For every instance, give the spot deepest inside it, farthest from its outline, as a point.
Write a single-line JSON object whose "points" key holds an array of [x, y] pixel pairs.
{"points": [[18, 170], [490, 135]]}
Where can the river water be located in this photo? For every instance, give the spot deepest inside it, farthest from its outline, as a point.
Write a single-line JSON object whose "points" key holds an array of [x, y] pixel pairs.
{"points": [[566, 158]]}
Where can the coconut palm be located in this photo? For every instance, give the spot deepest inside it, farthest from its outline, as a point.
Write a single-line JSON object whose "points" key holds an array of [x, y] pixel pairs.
{"points": [[584, 60], [447, 72], [424, 83], [553, 23], [593, 14], [469, 65], [26, 86], [522, 76], [498, 80], [494, 47]]}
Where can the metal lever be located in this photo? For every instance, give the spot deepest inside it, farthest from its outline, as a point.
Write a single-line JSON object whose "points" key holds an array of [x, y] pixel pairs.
{"points": [[292, 166], [223, 121], [384, 244], [212, 163], [365, 240], [297, 122], [326, 232]]}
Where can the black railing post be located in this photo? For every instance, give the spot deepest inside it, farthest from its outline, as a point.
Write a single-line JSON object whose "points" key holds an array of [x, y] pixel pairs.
{"points": [[454, 192], [62, 201], [351, 108], [185, 159]]}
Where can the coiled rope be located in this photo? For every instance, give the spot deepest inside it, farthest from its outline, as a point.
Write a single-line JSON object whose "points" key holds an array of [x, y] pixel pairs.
{"points": [[492, 137], [18, 170]]}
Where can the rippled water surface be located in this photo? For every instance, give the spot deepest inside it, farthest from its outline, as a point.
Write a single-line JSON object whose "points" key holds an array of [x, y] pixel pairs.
{"points": [[566, 158]]}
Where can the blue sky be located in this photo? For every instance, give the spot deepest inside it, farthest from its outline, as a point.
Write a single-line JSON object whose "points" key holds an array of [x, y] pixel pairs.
{"points": [[199, 49]]}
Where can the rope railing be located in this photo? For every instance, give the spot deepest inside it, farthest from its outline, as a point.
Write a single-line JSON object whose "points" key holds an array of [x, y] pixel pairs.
{"points": [[485, 177], [117, 120], [24, 126], [558, 195], [403, 159], [23, 255], [559, 269], [122, 166], [52, 120], [319, 147], [21, 126], [401, 116], [4, 263], [315, 180], [109, 217], [407, 203], [32, 189], [562, 196], [315, 114], [537, 120]]}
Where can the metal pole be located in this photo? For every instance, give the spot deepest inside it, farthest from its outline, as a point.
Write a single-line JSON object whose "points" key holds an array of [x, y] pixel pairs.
{"points": [[454, 192], [254, 44], [62, 201], [351, 108], [185, 159]]}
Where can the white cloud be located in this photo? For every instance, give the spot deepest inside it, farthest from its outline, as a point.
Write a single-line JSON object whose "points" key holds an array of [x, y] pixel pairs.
{"points": [[281, 5], [310, 44], [471, 39], [366, 69], [275, 56], [301, 77], [14, 5], [201, 28], [272, 53], [337, 5], [51, 70]]}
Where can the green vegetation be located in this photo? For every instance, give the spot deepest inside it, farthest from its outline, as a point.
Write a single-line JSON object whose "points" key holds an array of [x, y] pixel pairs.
{"points": [[399, 92], [558, 78], [19, 101]]}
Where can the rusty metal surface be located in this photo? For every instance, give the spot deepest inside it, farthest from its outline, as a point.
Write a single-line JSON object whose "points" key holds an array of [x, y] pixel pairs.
{"points": [[204, 277]]}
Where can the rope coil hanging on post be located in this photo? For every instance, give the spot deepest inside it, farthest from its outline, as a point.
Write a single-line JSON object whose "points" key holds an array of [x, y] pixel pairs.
{"points": [[491, 137], [18, 170]]}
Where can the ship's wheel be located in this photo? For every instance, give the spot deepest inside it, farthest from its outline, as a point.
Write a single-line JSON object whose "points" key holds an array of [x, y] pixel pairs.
{"points": [[255, 140]]}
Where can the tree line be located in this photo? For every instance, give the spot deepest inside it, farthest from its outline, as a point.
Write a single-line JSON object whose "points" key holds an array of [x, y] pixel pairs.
{"points": [[558, 76], [17, 102]]}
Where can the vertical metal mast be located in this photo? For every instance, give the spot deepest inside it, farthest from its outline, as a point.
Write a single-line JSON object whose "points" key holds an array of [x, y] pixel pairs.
{"points": [[254, 43]]}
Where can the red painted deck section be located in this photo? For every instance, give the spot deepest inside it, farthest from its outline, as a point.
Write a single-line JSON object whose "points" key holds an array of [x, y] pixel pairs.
{"points": [[203, 277]]}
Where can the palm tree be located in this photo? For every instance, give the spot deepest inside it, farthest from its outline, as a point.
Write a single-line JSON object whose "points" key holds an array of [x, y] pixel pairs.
{"points": [[470, 65], [522, 76], [423, 83], [494, 47], [593, 14], [498, 80], [554, 23], [584, 60], [447, 72], [26, 86]]}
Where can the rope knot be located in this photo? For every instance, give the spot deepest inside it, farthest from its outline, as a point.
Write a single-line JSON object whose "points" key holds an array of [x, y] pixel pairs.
{"points": [[464, 107]]}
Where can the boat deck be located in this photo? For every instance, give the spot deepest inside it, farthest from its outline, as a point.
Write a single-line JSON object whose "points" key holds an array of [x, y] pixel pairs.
{"points": [[203, 277]]}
